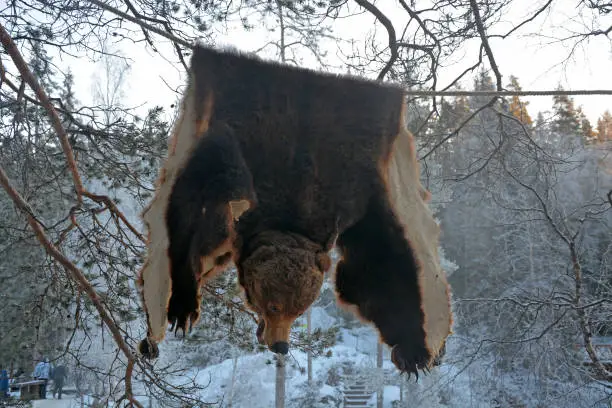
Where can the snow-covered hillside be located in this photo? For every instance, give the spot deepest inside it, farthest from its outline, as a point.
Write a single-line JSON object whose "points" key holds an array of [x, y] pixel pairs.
{"points": [[249, 381]]}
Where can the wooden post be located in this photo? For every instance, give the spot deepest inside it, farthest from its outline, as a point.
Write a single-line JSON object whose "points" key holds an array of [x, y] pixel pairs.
{"points": [[230, 401], [308, 332], [379, 365], [401, 390], [280, 381]]}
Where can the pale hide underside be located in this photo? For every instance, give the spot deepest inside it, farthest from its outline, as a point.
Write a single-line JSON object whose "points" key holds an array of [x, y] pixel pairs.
{"points": [[155, 278], [422, 232]]}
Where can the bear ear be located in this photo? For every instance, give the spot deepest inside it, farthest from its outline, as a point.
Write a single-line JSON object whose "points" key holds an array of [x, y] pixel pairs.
{"points": [[239, 207], [323, 261]]}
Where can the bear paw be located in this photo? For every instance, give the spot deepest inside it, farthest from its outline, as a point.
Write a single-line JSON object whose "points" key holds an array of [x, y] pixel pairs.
{"points": [[410, 359], [148, 348], [184, 314]]}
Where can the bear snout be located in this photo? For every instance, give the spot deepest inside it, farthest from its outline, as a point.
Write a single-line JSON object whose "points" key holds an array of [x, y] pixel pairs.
{"points": [[280, 347], [276, 331]]}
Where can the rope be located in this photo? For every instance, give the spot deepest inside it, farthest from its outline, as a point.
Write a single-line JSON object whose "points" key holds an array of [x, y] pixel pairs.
{"points": [[186, 44], [510, 93]]}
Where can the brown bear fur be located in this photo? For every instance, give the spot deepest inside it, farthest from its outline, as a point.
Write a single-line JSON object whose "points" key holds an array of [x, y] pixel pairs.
{"points": [[312, 158], [296, 266]]}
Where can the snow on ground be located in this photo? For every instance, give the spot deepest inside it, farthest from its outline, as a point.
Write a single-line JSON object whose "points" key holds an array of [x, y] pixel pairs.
{"points": [[255, 376], [54, 403]]}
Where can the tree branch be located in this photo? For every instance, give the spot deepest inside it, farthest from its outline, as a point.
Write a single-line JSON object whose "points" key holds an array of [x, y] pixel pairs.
{"points": [[485, 42], [45, 102], [390, 31], [179, 53], [73, 271], [28, 77]]}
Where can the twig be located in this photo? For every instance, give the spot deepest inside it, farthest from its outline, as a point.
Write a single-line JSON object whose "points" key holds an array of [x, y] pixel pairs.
{"points": [[390, 31], [175, 41], [458, 129], [364, 4], [583, 320], [141, 23], [45, 102], [74, 272], [28, 77], [231, 304], [530, 19], [110, 204]]}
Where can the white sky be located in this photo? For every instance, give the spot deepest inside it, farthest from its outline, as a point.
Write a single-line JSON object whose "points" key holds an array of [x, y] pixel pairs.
{"points": [[537, 62]]}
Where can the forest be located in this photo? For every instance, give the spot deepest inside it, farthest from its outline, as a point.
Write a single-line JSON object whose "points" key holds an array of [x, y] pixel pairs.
{"points": [[523, 196]]}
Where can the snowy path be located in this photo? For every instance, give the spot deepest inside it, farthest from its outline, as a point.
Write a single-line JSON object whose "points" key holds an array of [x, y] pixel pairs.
{"points": [[53, 403]]}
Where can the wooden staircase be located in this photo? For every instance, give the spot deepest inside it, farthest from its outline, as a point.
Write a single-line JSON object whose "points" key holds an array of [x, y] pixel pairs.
{"points": [[356, 392], [358, 387]]}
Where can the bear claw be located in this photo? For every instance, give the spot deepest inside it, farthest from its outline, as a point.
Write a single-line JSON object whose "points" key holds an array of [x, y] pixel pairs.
{"points": [[148, 348], [182, 317], [410, 362]]}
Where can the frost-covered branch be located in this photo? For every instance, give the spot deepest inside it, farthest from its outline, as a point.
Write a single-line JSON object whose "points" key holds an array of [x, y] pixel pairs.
{"points": [[76, 274]]}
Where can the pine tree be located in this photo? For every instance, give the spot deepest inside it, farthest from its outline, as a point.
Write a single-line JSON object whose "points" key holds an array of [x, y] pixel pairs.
{"points": [[604, 127], [518, 108], [452, 112], [588, 132], [37, 308], [567, 117]]}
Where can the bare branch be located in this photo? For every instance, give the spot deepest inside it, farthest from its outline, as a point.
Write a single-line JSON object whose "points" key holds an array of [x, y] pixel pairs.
{"points": [[27, 75], [458, 129], [390, 32], [74, 272], [485, 42]]}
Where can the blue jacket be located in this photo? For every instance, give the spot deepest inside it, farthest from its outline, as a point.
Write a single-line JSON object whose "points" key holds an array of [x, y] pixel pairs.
{"points": [[42, 370], [4, 381]]}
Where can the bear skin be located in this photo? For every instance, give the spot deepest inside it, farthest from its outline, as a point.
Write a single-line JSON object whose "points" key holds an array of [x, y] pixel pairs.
{"points": [[270, 166]]}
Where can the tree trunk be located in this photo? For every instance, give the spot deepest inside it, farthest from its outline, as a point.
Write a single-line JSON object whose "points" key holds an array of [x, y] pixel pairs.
{"points": [[281, 21], [583, 319], [280, 381]]}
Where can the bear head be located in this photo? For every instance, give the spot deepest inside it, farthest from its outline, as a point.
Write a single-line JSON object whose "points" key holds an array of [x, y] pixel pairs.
{"points": [[281, 274]]}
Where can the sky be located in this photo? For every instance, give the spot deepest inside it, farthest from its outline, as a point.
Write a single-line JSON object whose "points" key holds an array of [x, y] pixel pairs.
{"points": [[538, 62]]}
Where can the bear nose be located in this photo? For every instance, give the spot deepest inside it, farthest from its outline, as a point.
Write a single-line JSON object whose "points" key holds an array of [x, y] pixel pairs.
{"points": [[280, 347]]}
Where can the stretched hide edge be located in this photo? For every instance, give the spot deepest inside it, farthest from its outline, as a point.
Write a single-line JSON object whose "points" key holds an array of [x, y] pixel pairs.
{"points": [[154, 279], [422, 232]]}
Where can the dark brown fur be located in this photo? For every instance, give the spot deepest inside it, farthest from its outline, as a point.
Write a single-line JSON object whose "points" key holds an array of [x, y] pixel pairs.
{"points": [[306, 149], [198, 216], [377, 273]]}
